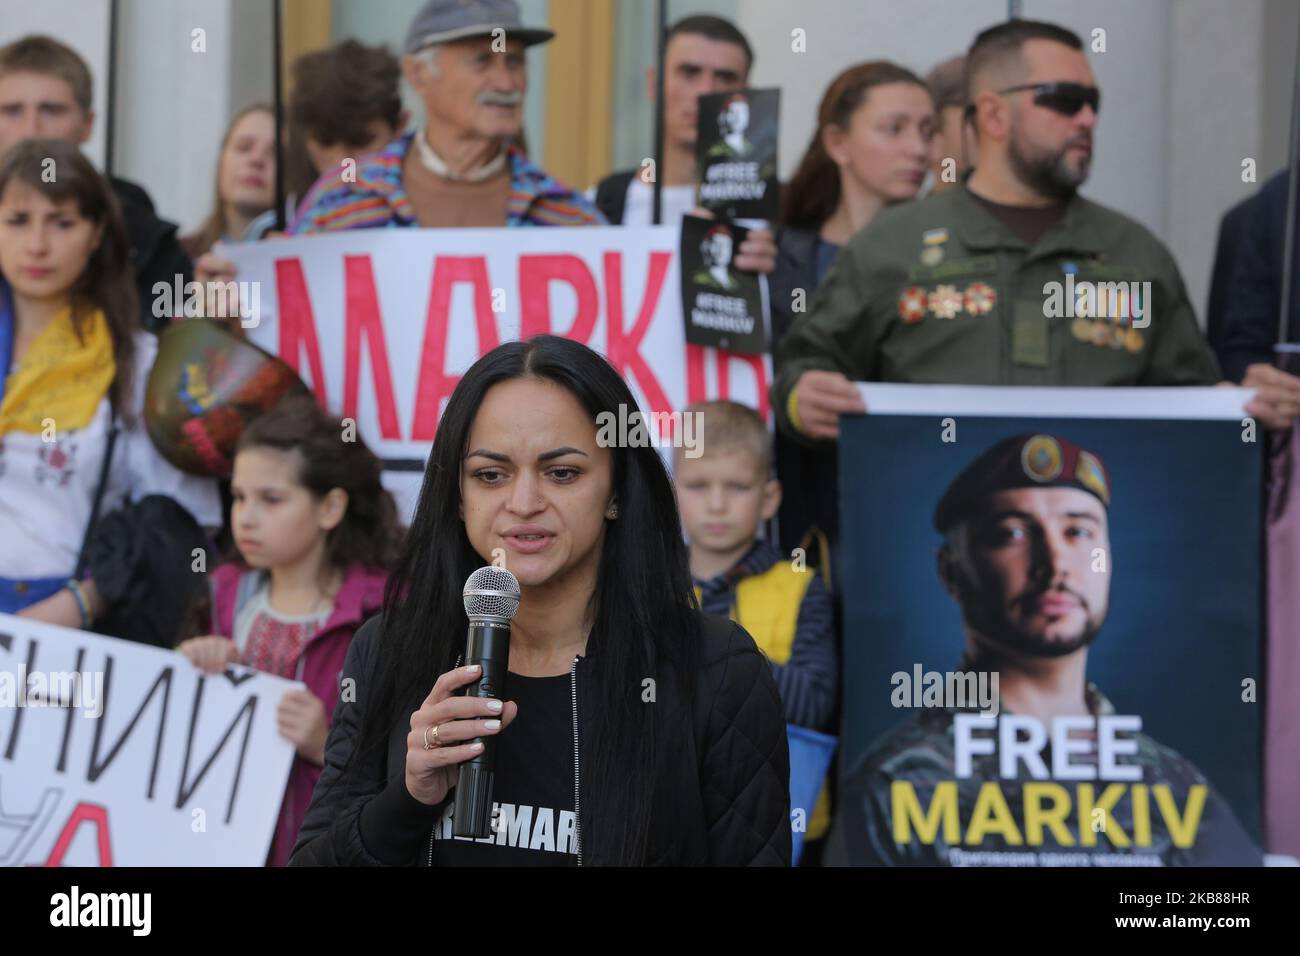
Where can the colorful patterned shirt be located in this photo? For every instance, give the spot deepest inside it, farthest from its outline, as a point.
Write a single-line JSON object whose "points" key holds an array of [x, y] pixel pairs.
{"points": [[377, 199]]}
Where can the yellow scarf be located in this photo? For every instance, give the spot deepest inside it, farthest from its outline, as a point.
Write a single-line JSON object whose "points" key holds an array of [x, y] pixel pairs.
{"points": [[61, 378]]}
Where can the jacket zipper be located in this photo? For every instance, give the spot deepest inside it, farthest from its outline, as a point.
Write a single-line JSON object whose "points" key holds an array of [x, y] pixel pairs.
{"points": [[434, 828], [577, 800]]}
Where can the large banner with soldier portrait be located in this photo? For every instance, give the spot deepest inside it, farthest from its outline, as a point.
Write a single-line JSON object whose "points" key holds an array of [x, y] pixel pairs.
{"points": [[1052, 651]]}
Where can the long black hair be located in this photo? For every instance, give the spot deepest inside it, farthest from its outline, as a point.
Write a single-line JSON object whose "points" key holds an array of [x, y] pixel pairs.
{"points": [[644, 612]]}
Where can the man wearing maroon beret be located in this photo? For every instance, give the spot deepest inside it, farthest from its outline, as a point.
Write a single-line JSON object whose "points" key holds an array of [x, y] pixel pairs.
{"points": [[1026, 555]]}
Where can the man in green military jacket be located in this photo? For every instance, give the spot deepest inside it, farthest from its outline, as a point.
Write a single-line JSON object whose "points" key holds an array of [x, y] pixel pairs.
{"points": [[1011, 278]]}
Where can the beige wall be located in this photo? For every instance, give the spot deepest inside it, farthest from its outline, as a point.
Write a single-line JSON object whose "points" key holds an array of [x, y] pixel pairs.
{"points": [[1191, 87], [1230, 100], [174, 102]]}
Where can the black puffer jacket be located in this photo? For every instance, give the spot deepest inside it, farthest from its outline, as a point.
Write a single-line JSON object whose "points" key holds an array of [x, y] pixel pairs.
{"points": [[723, 786]]}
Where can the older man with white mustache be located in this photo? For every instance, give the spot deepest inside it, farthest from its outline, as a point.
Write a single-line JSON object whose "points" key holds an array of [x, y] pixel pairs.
{"points": [[464, 167]]}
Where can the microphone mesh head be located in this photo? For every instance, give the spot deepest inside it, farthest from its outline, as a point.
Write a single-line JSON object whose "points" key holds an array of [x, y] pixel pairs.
{"points": [[491, 593]]}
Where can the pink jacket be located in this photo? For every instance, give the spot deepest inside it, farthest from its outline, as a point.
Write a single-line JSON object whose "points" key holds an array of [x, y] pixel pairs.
{"points": [[318, 666]]}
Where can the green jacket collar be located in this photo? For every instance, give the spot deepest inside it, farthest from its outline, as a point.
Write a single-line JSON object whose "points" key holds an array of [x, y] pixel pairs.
{"points": [[980, 230]]}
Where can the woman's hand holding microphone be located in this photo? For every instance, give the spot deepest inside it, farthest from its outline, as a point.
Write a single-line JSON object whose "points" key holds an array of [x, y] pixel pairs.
{"points": [[441, 730]]}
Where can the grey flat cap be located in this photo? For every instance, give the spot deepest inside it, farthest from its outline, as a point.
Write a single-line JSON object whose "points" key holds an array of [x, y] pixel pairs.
{"points": [[441, 21]]}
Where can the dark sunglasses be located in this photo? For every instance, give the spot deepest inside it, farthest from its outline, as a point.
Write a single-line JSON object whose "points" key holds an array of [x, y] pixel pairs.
{"points": [[1064, 98]]}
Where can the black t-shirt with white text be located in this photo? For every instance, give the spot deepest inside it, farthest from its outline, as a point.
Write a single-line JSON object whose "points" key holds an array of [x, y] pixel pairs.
{"points": [[533, 790]]}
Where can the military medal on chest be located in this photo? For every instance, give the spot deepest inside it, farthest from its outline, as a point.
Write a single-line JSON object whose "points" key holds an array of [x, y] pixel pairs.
{"points": [[980, 298], [932, 241], [1104, 317], [946, 302], [912, 304]]}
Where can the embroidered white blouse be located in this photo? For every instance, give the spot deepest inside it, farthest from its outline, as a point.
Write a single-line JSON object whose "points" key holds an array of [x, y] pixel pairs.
{"points": [[47, 488]]}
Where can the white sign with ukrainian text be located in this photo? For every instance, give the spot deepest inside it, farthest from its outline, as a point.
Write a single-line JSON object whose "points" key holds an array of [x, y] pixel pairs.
{"points": [[121, 754]]}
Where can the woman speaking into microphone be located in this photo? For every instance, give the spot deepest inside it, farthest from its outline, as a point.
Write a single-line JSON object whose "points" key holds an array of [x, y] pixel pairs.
{"points": [[634, 730]]}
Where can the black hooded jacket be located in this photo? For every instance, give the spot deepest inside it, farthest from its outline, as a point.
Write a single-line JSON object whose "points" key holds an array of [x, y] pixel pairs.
{"points": [[722, 770], [156, 253]]}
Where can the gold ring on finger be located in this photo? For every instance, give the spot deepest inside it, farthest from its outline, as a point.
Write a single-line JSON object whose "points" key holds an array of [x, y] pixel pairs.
{"points": [[436, 742]]}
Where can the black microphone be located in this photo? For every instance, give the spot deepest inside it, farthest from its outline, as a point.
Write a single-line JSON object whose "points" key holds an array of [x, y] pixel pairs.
{"points": [[491, 600]]}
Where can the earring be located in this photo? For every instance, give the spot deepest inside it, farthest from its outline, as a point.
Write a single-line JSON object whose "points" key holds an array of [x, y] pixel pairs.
{"points": [[612, 513]]}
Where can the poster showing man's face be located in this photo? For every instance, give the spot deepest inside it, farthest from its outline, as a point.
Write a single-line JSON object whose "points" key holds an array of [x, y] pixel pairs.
{"points": [[716, 250], [734, 118], [1028, 573], [1048, 533], [1026, 550]]}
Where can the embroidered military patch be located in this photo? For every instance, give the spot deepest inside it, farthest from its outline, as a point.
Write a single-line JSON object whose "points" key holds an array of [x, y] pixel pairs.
{"points": [[1091, 476], [952, 269]]}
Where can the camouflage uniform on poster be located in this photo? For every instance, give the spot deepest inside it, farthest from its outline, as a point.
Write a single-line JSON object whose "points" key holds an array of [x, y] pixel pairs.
{"points": [[921, 752]]}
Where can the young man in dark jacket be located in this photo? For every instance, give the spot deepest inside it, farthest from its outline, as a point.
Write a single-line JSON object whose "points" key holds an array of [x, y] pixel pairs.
{"points": [[705, 54], [45, 93]]}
